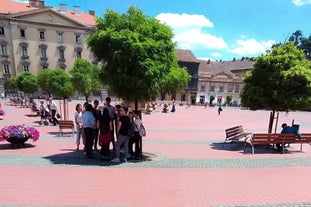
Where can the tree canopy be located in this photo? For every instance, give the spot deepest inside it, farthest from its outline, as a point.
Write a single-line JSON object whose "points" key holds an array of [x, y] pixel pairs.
{"points": [[280, 80], [85, 77], [56, 82], [26, 82], [138, 55]]}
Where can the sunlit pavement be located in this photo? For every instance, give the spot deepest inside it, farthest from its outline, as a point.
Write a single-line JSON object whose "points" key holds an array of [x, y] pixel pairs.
{"points": [[184, 165]]}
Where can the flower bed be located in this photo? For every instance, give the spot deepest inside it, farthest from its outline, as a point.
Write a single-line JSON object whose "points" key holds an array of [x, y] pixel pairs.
{"points": [[18, 134]]}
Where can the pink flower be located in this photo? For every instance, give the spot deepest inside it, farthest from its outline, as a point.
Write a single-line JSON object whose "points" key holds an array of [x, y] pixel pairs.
{"points": [[19, 131]]}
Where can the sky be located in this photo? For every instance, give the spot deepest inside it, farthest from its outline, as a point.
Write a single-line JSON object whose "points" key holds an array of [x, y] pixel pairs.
{"points": [[216, 29]]}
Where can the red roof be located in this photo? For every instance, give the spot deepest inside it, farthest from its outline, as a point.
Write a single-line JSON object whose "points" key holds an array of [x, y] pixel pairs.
{"points": [[11, 7]]}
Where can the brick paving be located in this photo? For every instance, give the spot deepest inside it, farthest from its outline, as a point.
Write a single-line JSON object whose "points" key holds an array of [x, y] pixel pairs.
{"points": [[184, 165]]}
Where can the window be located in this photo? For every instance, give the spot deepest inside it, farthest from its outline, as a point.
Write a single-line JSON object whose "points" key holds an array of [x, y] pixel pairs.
{"points": [[78, 54], [78, 39], [4, 50], [24, 51], [212, 87], [26, 68], [60, 37], [237, 88], [221, 87], [43, 52], [22, 33], [61, 53], [202, 86], [230, 87], [42, 35], [2, 31], [6, 69]]}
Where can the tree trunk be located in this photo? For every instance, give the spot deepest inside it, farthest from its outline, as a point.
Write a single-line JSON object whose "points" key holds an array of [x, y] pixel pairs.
{"points": [[271, 121], [136, 105]]}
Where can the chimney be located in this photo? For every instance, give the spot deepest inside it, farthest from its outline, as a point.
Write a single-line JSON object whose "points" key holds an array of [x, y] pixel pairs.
{"points": [[208, 61], [62, 7], [36, 3], [91, 12], [76, 10], [233, 60]]}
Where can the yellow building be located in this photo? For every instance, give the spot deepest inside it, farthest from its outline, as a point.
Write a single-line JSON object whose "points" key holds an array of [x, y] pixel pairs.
{"points": [[34, 37]]}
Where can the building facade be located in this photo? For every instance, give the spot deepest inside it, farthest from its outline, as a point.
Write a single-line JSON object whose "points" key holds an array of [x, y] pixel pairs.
{"points": [[34, 37]]}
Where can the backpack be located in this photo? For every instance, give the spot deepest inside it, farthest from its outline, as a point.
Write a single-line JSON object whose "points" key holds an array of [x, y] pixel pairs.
{"points": [[142, 130]]}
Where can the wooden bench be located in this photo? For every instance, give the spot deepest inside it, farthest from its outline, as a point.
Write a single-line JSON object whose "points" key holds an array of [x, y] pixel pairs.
{"points": [[65, 124], [235, 134], [277, 138]]}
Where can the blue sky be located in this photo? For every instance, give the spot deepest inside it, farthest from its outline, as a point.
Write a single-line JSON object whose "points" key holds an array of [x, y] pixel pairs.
{"points": [[217, 29]]}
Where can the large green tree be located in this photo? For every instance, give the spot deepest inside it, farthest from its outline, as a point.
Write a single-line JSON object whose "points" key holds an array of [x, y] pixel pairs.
{"points": [[137, 54], [44, 80], [85, 77], [280, 80]]}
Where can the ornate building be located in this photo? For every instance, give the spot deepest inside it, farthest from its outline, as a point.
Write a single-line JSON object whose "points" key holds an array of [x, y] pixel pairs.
{"points": [[34, 37]]}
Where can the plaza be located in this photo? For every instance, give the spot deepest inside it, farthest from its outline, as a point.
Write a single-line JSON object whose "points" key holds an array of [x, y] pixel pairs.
{"points": [[184, 165]]}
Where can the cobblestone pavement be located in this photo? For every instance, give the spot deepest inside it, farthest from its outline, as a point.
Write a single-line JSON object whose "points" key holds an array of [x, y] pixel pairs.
{"points": [[184, 165]]}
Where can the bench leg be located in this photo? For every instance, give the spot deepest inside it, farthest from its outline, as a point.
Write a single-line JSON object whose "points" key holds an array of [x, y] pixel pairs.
{"points": [[300, 147], [253, 150]]}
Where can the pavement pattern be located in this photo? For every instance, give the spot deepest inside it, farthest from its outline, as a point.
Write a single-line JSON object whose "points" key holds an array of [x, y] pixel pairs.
{"points": [[184, 165]]}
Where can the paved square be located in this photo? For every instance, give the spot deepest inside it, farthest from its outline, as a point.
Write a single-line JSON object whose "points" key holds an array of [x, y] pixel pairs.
{"points": [[185, 165]]}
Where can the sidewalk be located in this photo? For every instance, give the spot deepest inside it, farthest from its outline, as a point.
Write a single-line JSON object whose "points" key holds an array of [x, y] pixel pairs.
{"points": [[185, 165]]}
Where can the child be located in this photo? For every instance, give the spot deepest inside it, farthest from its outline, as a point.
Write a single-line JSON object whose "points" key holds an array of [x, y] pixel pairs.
{"points": [[43, 115]]}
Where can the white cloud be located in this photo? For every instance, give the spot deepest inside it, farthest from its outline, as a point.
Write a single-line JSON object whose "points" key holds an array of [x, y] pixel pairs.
{"points": [[177, 21], [301, 2], [196, 39], [189, 33], [252, 47], [216, 54]]}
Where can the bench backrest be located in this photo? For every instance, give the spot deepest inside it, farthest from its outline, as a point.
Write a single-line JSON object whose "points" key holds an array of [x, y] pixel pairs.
{"points": [[66, 123], [270, 138], [234, 131]]}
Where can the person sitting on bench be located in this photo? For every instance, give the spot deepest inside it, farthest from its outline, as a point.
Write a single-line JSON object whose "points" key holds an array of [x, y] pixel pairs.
{"points": [[288, 130]]}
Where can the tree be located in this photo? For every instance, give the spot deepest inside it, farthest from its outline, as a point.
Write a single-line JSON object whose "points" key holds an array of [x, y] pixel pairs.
{"points": [[85, 77], [137, 52], [229, 100], [26, 82], [302, 42], [58, 83], [44, 80], [279, 81]]}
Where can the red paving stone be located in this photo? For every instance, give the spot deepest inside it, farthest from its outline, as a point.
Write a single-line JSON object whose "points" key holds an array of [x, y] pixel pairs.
{"points": [[169, 136]]}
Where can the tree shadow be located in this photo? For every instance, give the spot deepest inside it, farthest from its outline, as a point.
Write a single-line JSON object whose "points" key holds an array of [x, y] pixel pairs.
{"points": [[77, 157]]}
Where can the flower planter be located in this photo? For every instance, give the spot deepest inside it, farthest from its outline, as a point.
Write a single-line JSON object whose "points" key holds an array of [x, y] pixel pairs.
{"points": [[17, 135], [16, 141]]}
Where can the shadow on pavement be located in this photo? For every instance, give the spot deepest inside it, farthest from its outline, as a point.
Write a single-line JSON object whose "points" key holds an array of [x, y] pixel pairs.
{"points": [[74, 157], [8, 146]]}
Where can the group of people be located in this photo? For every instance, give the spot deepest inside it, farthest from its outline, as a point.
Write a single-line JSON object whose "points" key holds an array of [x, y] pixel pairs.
{"points": [[108, 125], [48, 112]]}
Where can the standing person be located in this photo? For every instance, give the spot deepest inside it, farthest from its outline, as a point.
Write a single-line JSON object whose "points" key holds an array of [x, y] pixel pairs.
{"points": [[219, 108], [43, 114], [104, 124], [137, 137], [89, 126], [112, 114], [132, 138], [173, 106], [123, 128], [96, 130], [53, 110], [79, 125]]}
